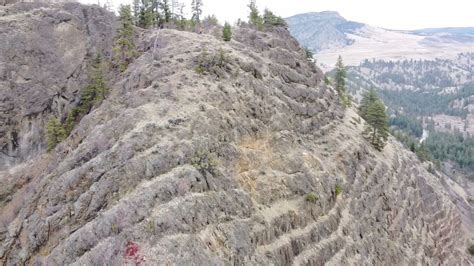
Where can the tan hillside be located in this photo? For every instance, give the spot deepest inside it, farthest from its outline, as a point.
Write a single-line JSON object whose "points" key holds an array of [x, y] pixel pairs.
{"points": [[188, 166]]}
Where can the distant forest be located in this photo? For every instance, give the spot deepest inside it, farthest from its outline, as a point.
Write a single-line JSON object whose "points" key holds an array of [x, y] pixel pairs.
{"points": [[412, 89]]}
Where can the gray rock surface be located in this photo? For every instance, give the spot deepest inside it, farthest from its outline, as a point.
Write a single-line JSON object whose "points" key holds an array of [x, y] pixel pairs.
{"points": [[182, 168], [44, 55]]}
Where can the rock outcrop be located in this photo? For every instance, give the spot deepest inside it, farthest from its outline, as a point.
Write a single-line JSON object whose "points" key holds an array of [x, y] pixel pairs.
{"points": [[44, 55], [205, 152]]}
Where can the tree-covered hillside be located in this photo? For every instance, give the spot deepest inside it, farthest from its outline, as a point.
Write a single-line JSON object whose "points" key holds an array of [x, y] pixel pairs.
{"points": [[435, 96]]}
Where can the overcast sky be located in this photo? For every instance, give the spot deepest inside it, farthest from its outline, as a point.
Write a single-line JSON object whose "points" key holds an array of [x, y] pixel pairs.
{"points": [[392, 14]]}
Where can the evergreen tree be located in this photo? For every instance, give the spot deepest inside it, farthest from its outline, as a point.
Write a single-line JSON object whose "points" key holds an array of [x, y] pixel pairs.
{"points": [[210, 21], [270, 19], [377, 124], [340, 77], [340, 82], [55, 133], [327, 81], [148, 13], [412, 147], [108, 6], [136, 12], [254, 17], [368, 99], [423, 153], [196, 9], [175, 4], [124, 46], [180, 20], [93, 94], [227, 32], [98, 78], [165, 7], [309, 54]]}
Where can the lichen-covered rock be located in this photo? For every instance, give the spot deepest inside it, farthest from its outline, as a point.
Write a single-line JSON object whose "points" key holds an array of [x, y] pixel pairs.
{"points": [[44, 54], [207, 158]]}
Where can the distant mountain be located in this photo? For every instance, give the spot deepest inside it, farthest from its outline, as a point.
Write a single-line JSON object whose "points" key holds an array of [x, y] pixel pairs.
{"points": [[457, 31], [329, 35], [319, 31]]}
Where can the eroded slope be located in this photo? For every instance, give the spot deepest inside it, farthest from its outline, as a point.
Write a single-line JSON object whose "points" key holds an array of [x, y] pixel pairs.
{"points": [[178, 167]]}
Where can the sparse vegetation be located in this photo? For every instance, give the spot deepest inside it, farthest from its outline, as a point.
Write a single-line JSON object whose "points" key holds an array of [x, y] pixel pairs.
{"points": [[338, 190], [207, 63], [205, 161], [151, 227], [471, 250], [93, 94], [114, 228], [55, 133], [311, 197]]}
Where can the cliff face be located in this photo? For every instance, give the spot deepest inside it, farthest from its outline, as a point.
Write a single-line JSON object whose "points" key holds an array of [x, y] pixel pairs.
{"points": [[205, 153], [44, 54]]}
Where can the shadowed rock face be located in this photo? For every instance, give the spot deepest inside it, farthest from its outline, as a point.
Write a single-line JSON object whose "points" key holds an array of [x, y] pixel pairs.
{"points": [[43, 65], [177, 167]]}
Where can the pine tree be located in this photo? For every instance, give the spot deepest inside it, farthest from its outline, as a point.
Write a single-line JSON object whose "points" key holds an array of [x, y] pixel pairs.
{"points": [[98, 78], [270, 19], [377, 124], [196, 9], [227, 32], [309, 54], [340, 77], [368, 99], [165, 6], [412, 147], [55, 133], [148, 14], [124, 46], [327, 81], [179, 16], [340, 82], [157, 18], [254, 17], [423, 153], [136, 12], [93, 94]]}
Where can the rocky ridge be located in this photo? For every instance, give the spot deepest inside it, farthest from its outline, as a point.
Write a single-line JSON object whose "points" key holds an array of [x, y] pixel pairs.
{"points": [[212, 166]]}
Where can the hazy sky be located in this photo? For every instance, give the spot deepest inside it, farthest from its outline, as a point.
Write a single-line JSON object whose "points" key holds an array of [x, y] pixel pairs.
{"points": [[393, 14]]}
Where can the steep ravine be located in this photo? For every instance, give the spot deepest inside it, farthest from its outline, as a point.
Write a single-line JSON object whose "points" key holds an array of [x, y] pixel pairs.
{"points": [[182, 168]]}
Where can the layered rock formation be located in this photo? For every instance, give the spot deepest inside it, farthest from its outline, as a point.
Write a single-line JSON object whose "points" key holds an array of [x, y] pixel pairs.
{"points": [[205, 153], [44, 54]]}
